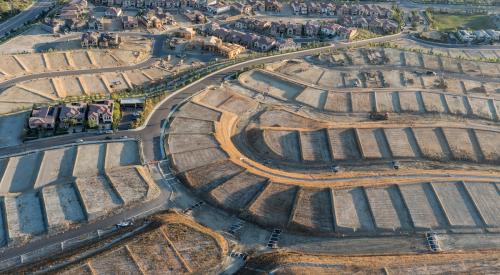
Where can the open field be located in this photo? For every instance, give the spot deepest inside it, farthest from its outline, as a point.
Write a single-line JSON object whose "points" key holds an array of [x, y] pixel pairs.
{"points": [[53, 190], [450, 22]]}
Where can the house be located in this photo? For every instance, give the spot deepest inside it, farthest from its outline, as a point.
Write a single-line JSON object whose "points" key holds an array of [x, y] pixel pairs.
{"points": [[277, 29], [495, 35], [218, 8], [101, 112], [113, 12], [229, 50], [130, 22], [286, 45], [299, 8], [328, 9], [242, 23], [248, 40], [195, 16], [214, 44], [313, 8], [72, 114], [89, 39], [347, 33], [389, 26], [330, 30], [151, 21], [200, 4], [294, 29], [273, 6], [311, 29], [156, 18], [234, 36], [165, 17], [221, 33], [242, 8], [261, 26], [264, 43], [44, 117], [210, 28], [482, 35], [186, 33], [72, 13], [361, 22], [70, 17], [257, 5], [95, 24], [465, 36], [109, 40], [51, 25]]}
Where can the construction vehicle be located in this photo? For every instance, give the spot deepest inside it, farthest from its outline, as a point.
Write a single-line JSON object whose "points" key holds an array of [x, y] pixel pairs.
{"points": [[379, 116]]}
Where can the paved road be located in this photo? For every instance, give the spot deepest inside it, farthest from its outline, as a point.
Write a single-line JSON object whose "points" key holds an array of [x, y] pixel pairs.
{"points": [[149, 62], [159, 41], [30, 13], [161, 201], [150, 135]]}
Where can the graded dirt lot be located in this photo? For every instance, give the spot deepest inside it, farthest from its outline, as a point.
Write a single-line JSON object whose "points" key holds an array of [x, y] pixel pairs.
{"points": [[52, 190], [309, 159], [26, 93], [174, 245], [295, 263]]}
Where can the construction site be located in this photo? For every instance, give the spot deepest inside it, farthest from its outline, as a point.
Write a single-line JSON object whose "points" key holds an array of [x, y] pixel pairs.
{"points": [[368, 160], [47, 192], [308, 148]]}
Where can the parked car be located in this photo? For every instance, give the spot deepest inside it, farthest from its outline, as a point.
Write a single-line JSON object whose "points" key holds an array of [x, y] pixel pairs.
{"points": [[125, 223]]}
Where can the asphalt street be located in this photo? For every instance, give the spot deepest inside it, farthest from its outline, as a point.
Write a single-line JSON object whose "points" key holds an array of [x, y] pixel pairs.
{"points": [[30, 13], [150, 136], [151, 132]]}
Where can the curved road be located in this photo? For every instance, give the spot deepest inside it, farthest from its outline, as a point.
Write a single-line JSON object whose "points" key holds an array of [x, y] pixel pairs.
{"points": [[28, 14], [150, 135], [159, 40]]}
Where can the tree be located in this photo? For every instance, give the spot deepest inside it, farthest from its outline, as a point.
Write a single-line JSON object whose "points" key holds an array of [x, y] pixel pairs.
{"points": [[91, 124], [70, 121]]}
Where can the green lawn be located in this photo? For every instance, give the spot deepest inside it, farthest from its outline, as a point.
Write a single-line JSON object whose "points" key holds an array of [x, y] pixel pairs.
{"points": [[365, 34], [448, 22]]}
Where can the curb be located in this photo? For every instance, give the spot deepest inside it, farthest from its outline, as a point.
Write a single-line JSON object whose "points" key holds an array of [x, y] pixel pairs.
{"points": [[68, 145], [146, 121]]}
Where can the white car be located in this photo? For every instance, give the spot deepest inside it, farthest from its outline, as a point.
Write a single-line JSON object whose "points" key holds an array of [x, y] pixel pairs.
{"points": [[79, 140], [125, 223]]}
